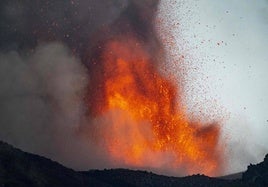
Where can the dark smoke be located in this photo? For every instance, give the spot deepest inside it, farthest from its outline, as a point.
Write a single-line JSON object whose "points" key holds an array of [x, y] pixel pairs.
{"points": [[79, 24], [49, 69]]}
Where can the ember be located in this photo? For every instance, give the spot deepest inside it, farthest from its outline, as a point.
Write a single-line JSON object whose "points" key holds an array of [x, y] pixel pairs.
{"points": [[147, 124]]}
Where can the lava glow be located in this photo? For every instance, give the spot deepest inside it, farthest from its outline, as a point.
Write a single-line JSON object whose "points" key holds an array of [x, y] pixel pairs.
{"points": [[147, 126]]}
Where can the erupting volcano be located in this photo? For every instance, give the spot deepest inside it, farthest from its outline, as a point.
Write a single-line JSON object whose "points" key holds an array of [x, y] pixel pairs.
{"points": [[147, 125], [83, 85]]}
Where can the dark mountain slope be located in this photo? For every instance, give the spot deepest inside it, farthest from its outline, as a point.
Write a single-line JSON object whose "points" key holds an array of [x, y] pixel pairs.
{"points": [[18, 168], [124, 177], [257, 175]]}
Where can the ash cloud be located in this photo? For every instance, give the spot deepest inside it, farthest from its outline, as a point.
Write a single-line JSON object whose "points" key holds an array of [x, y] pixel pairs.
{"points": [[47, 54], [41, 98]]}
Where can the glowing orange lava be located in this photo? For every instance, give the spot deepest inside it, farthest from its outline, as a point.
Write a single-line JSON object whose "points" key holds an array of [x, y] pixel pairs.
{"points": [[147, 127]]}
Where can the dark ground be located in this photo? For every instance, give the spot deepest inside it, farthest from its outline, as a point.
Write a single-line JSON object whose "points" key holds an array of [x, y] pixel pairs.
{"points": [[18, 168]]}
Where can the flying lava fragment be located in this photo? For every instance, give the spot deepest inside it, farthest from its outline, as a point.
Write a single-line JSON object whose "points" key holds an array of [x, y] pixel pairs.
{"points": [[147, 126]]}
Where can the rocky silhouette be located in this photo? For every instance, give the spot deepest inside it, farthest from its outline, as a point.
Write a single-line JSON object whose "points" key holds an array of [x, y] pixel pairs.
{"points": [[18, 168]]}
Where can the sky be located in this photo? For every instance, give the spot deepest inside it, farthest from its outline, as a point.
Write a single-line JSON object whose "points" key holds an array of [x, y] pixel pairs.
{"points": [[225, 45]]}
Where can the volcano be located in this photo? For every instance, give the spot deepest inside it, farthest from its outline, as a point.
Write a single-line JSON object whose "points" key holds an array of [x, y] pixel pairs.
{"points": [[86, 76]]}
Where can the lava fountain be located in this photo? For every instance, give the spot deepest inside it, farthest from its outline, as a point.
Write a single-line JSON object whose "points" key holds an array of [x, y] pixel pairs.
{"points": [[146, 126], [137, 117]]}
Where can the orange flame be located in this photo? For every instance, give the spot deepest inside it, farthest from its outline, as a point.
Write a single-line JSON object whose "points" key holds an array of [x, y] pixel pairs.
{"points": [[147, 127]]}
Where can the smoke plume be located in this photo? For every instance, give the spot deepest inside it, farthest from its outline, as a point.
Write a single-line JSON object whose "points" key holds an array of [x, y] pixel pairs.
{"points": [[47, 54], [54, 71]]}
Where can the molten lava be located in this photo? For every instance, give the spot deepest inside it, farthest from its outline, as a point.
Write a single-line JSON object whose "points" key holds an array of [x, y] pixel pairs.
{"points": [[147, 126]]}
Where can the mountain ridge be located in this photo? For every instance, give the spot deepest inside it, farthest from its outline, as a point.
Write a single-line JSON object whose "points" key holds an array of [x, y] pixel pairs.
{"points": [[18, 168]]}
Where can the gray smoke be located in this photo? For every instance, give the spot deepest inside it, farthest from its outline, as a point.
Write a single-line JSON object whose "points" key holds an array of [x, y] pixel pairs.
{"points": [[42, 105], [47, 53], [41, 98]]}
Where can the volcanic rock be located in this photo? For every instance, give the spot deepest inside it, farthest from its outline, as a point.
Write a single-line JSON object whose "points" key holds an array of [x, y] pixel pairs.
{"points": [[18, 168]]}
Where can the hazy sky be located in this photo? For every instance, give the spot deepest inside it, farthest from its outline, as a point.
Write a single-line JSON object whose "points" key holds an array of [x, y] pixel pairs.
{"points": [[227, 42]]}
